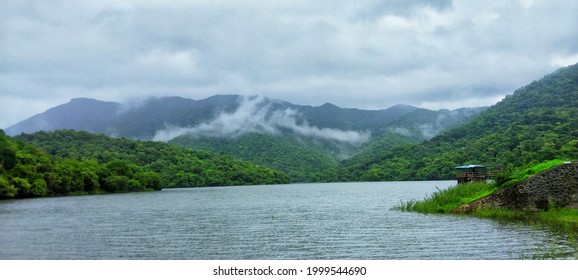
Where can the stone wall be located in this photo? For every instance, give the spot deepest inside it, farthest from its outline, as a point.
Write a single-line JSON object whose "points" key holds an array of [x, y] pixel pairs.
{"points": [[557, 187]]}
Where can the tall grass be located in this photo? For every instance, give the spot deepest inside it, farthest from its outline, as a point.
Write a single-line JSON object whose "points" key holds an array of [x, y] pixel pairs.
{"points": [[565, 218], [443, 201]]}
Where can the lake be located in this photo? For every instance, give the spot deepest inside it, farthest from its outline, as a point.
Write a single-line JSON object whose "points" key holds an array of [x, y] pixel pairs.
{"points": [[297, 221]]}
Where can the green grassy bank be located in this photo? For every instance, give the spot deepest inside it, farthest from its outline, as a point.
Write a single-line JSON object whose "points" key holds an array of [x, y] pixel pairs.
{"points": [[444, 201]]}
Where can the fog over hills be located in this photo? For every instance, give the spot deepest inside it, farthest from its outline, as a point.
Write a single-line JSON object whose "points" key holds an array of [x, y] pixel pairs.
{"points": [[327, 143], [305, 142], [163, 119]]}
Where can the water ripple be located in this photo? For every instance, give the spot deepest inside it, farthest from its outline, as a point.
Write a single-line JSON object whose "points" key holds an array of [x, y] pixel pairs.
{"points": [[308, 221]]}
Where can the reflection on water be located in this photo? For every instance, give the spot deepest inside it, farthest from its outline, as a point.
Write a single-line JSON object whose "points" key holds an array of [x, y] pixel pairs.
{"points": [[300, 221]]}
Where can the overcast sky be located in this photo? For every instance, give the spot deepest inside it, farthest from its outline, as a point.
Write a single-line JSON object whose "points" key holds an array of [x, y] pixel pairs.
{"points": [[361, 53]]}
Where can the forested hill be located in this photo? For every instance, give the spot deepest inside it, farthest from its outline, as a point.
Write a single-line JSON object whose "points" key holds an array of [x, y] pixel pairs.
{"points": [[66, 162], [305, 142], [28, 172], [537, 122], [148, 118], [302, 160]]}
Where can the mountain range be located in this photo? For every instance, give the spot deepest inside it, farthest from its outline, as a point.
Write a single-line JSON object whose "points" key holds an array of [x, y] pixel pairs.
{"points": [[161, 118], [536, 123], [305, 142]]}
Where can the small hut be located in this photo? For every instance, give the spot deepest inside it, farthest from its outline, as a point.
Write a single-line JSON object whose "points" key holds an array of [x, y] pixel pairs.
{"points": [[471, 173]]}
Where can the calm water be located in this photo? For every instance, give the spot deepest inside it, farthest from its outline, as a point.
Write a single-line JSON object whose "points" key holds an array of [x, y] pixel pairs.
{"points": [[307, 221]]}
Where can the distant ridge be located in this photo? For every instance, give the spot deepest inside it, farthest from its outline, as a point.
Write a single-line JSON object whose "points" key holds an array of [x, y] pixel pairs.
{"points": [[305, 142], [144, 119], [80, 114]]}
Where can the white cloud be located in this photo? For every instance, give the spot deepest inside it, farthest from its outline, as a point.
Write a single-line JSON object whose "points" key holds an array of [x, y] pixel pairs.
{"points": [[564, 60]]}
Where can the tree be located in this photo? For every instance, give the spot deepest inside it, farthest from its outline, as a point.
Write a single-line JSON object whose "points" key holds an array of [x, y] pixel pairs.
{"points": [[6, 189], [39, 187]]}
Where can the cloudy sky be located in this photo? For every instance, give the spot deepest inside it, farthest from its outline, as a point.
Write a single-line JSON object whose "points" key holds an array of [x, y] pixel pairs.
{"points": [[363, 53]]}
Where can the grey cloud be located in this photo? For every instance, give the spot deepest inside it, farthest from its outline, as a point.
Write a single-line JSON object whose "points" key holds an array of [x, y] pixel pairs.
{"points": [[367, 53], [401, 7]]}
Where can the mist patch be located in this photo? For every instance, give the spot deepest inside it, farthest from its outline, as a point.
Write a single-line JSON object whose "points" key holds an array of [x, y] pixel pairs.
{"points": [[257, 114]]}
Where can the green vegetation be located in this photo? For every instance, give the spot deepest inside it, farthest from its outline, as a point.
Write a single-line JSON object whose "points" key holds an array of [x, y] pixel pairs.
{"points": [[69, 162], [563, 218], [529, 131], [310, 151], [28, 172], [362, 166], [445, 200], [301, 162], [176, 166], [527, 172], [538, 122]]}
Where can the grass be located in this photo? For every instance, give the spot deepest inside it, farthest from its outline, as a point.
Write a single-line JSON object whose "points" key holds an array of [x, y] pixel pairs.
{"points": [[564, 217], [527, 172], [443, 201]]}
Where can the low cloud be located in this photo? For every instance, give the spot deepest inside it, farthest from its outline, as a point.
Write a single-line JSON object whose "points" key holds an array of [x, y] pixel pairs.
{"points": [[256, 114]]}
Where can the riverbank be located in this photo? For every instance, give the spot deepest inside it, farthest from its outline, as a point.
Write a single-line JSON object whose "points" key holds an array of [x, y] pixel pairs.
{"points": [[543, 194], [444, 201], [564, 221]]}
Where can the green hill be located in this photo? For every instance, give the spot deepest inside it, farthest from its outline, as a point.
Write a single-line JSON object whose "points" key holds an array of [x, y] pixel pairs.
{"points": [[176, 166], [538, 122], [306, 142], [303, 160], [25, 171]]}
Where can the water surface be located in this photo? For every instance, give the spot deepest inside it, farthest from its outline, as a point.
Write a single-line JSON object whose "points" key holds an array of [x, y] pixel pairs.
{"points": [[298, 221]]}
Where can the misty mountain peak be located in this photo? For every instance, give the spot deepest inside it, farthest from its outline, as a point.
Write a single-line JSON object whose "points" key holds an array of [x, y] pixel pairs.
{"points": [[234, 114], [403, 107], [329, 105], [84, 100], [79, 114]]}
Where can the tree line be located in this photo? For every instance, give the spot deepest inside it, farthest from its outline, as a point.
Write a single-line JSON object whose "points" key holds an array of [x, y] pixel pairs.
{"points": [[70, 162]]}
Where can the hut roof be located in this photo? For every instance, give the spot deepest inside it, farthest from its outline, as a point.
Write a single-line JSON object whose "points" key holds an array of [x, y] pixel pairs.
{"points": [[470, 166]]}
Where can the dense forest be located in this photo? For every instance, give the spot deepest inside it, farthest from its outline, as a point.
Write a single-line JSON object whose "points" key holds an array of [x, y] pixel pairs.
{"points": [[309, 162], [305, 142], [538, 122], [70, 162], [25, 171]]}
